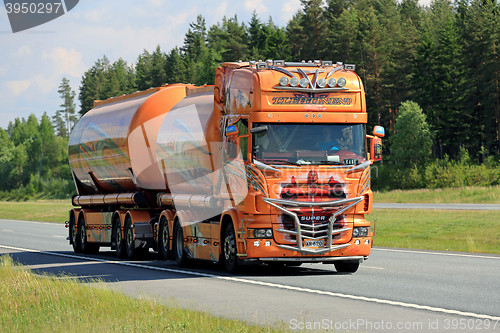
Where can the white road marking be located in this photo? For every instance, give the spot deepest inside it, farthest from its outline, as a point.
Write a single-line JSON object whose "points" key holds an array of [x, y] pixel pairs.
{"points": [[7, 230], [364, 266], [267, 284], [60, 236], [438, 253], [36, 222]]}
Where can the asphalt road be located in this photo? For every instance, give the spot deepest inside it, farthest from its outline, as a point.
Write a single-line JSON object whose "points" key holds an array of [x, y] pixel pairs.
{"points": [[393, 291]]}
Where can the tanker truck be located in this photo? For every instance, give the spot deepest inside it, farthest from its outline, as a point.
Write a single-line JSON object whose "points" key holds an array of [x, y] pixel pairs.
{"points": [[270, 165]]}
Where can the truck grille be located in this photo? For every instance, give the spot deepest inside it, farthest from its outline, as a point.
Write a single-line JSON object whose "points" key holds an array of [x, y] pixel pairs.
{"points": [[313, 235]]}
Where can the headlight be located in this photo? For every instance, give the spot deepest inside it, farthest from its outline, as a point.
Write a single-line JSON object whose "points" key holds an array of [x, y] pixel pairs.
{"points": [[342, 82], [360, 231], [294, 81], [260, 233], [283, 81], [304, 82], [332, 82], [321, 83]]}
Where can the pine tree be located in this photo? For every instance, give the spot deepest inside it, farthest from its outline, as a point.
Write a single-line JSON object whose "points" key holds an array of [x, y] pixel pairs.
{"points": [[120, 79], [93, 86], [175, 68], [195, 39], [143, 71], [158, 75], [229, 39], [65, 116]]}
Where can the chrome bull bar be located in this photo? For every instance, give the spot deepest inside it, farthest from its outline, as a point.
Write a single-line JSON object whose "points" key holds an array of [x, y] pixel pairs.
{"points": [[300, 234]]}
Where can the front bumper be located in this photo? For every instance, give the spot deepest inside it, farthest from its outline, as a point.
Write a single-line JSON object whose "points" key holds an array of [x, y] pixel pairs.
{"points": [[301, 231]]}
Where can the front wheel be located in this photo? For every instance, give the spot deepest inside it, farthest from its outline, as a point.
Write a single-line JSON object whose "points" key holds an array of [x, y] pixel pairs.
{"points": [[229, 250], [346, 266]]}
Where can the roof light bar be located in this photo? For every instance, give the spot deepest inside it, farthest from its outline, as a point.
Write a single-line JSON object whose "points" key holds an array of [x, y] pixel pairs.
{"points": [[261, 65]]}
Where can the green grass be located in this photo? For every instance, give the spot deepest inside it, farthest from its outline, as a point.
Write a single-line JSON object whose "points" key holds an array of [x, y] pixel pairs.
{"points": [[484, 195], [39, 210], [31, 303], [442, 230]]}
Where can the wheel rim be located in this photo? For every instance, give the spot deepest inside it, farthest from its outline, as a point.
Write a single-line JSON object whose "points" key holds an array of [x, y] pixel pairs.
{"points": [[118, 236], [73, 232], [179, 242], [164, 238], [130, 238], [229, 248], [82, 234]]}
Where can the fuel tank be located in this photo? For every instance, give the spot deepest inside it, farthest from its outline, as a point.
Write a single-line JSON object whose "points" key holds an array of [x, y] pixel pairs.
{"points": [[135, 142]]}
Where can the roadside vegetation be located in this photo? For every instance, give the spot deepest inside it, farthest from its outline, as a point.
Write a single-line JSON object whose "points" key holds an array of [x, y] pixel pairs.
{"points": [[441, 230], [467, 194], [38, 210], [34, 303]]}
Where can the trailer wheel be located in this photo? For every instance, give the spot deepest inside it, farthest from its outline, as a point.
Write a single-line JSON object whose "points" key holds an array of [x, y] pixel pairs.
{"points": [[180, 255], [132, 251], [164, 239], [86, 247], [73, 234], [346, 266], [229, 250], [121, 252]]}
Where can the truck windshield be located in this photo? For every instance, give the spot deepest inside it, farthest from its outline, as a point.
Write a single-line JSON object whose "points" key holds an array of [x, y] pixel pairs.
{"points": [[309, 143]]}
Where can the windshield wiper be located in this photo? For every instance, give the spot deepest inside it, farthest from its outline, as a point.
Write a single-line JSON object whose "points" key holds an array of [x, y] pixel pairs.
{"points": [[278, 160], [331, 162]]}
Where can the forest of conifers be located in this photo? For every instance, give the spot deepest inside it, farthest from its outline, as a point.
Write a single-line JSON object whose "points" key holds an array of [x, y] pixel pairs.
{"points": [[444, 57]]}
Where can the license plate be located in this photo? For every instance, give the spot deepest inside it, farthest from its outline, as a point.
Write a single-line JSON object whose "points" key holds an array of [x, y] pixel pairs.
{"points": [[313, 243]]}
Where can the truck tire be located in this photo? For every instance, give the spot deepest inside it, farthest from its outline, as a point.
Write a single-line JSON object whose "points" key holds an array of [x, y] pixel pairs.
{"points": [[132, 252], [346, 266], [229, 250], [121, 252], [74, 235], [164, 239], [86, 247], [179, 253]]}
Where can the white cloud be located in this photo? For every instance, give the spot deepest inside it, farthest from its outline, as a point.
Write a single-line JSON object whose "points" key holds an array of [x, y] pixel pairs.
{"points": [[155, 2], [3, 71], [93, 15], [24, 50], [45, 85], [66, 62], [256, 5], [221, 9], [289, 9], [18, 87]]}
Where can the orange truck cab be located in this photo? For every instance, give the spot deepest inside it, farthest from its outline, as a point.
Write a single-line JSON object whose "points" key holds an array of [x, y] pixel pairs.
{"points": [[271, 165]]}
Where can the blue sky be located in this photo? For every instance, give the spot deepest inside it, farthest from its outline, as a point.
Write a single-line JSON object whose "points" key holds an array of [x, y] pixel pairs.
{"points": [[33, 62]]}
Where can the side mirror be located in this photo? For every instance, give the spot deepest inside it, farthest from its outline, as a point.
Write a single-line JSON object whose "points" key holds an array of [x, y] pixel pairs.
{"points": [[376, 148], [379, 131], [231, 131]]}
